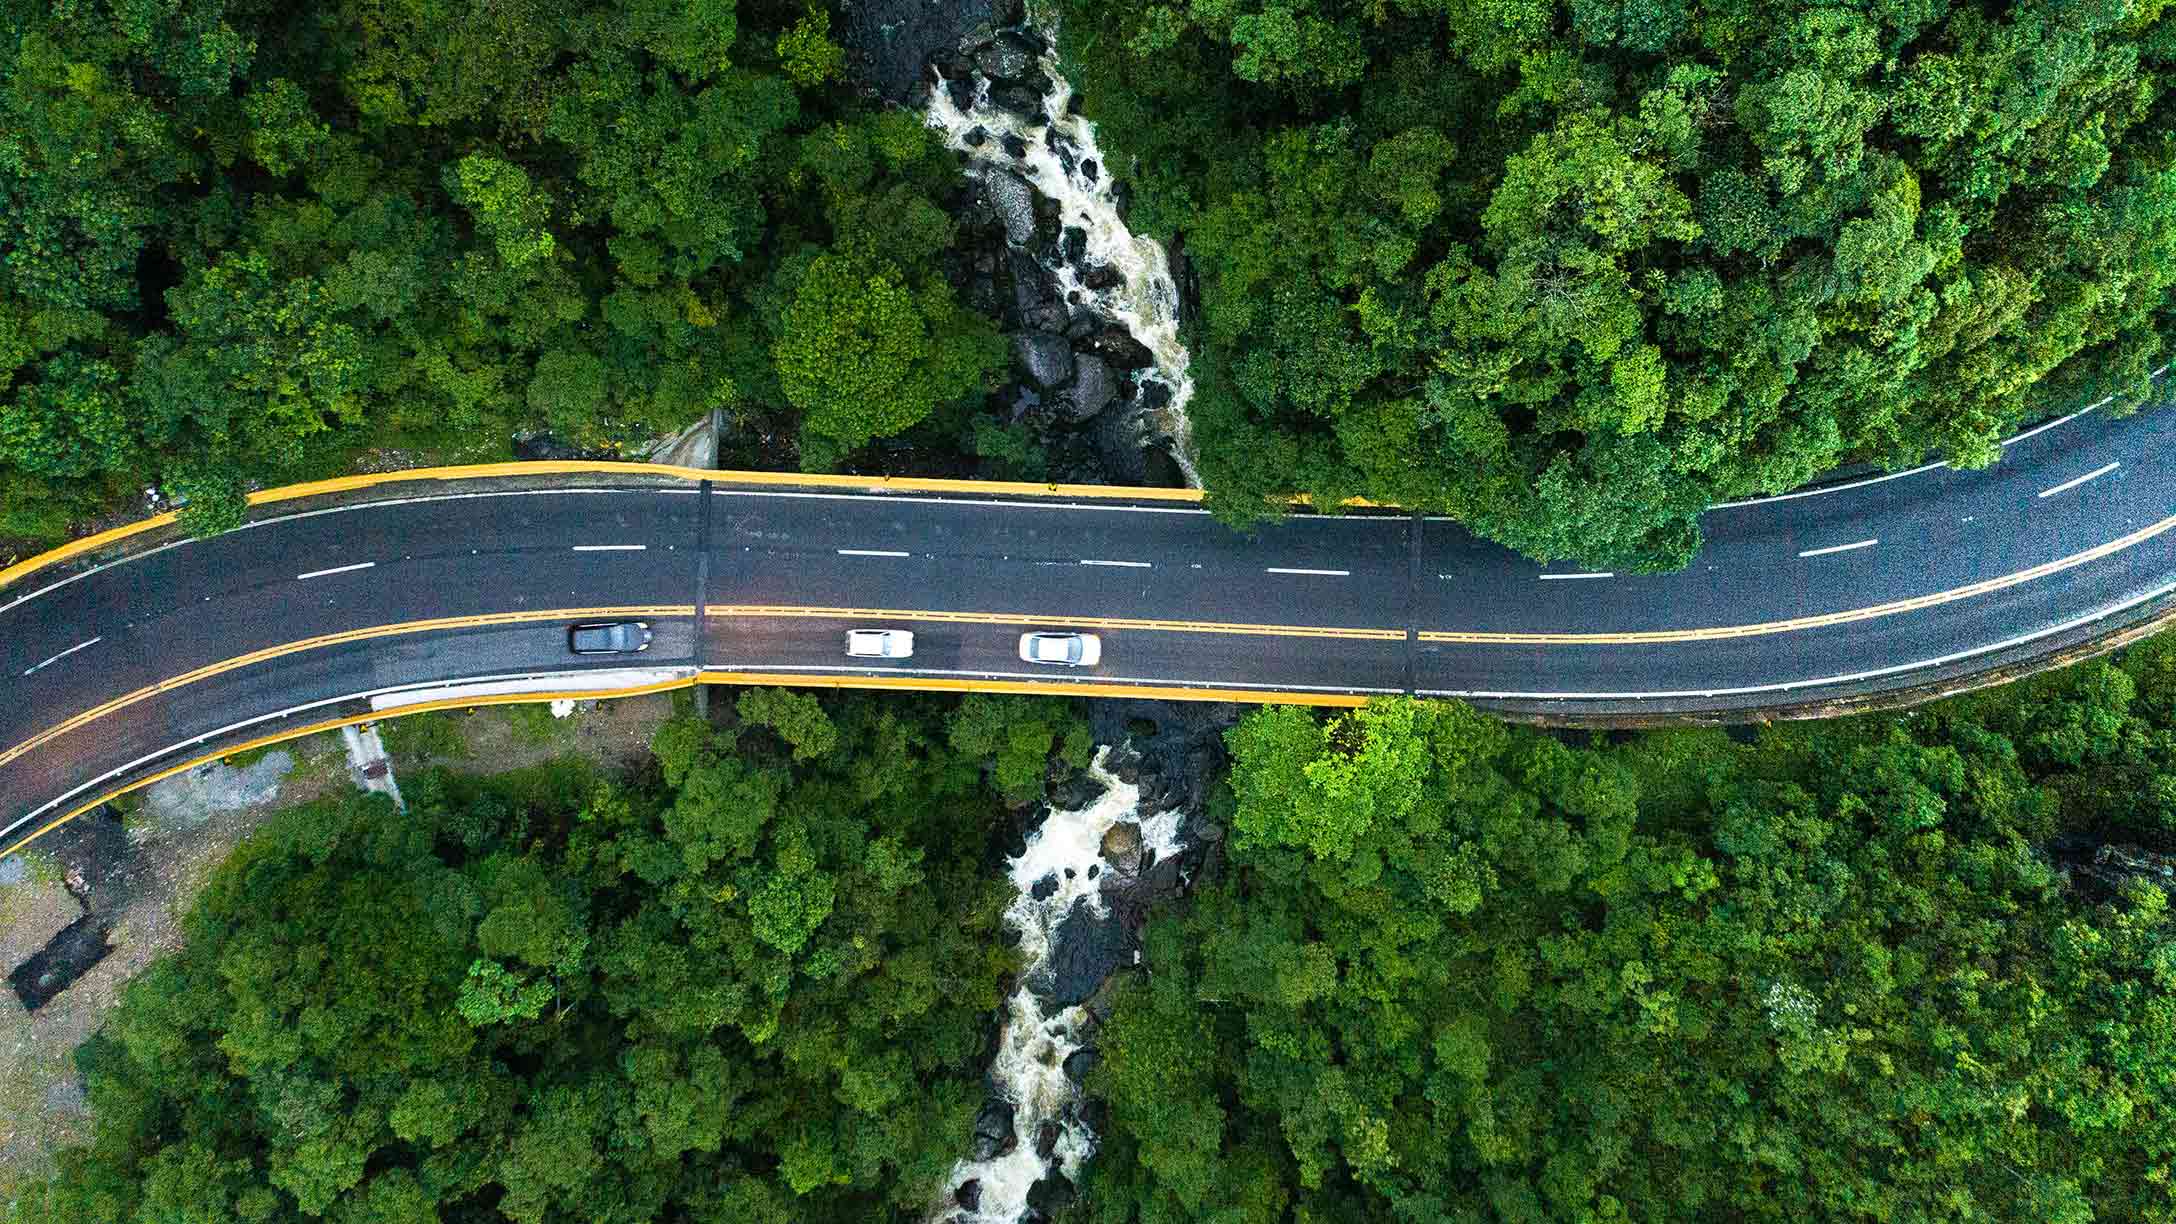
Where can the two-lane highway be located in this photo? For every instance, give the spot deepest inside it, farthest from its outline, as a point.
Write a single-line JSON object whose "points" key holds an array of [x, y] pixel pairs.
{"points": [[108, 672]]}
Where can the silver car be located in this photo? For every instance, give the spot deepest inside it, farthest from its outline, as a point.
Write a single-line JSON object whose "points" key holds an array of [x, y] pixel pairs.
{"points": [[1061, 649], [879, 644], [609, 637]]}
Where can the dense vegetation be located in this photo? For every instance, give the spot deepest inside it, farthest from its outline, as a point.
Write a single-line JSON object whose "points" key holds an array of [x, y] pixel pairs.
{"points": [[1460, 973], [752, 988], [244, 240], [1570, 272]]}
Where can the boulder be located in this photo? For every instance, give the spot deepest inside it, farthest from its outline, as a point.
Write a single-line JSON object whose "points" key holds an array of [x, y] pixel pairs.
{"points": [[1122, 846], [1014, 201], [993, 1131], [1116, 345], [1088, 170], [1081, 1062], [1020, 99], [1007, 58], [1013, 145], [1045, 888], [1046, 1140], [1008, 12], [1075, 244], [1045, 358], [1100, 277], [1086, 948], [1119, 447], [1094, 388], [1050, 1195], [969, 1194]]}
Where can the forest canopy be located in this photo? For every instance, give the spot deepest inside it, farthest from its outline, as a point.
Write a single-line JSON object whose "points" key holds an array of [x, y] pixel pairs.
{"points": [[1867, 970], [1572, 272], [244, 241], [750, 987]]}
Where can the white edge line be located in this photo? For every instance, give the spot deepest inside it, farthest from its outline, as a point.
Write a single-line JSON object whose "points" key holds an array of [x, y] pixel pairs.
{"points": [[1067, 677], [302, 514], [1924, 467], [337, 569], [65, 653], [1317, 573], [673, 673], [1023, 503], [2075, 481], [1566, 577], [611, 547], [1786, 685], [873, 552], [1837, 548], [1841, 488], [1123, 564]]}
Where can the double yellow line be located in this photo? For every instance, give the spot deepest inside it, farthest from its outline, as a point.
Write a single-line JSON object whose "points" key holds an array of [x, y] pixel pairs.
{"points": [[330, 639], [791, 611], [1798, 623]]}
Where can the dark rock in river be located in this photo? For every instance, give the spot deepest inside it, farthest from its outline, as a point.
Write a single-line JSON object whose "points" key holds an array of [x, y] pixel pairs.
{"points": [[1051, 1195], [1014, 202], [1085, 949], [1046, 1140], [1122, 846], [1008, 58], [1088, 170], [1118, 346], [1014, 146], [1094, 388], [1021, 100], [969, 1193], [1046, 359], [993, 1131], [1081, 1062], [1045, 888], [1076, 244], [890, 42], [1102, 276], [1118, 443], [1077, 791]]}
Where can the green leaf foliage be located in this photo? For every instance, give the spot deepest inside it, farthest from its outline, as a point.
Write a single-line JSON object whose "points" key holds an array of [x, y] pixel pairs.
{"points": [[1572, 272], [242, 243], [1862, 970], [547, 996]]}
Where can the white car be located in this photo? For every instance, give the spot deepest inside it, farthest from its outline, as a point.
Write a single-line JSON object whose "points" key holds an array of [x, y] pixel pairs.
{"points": [[879, 644], [1061, 649]]}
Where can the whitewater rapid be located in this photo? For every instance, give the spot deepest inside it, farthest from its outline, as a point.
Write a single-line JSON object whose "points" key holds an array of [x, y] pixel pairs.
{"points": [[1029, 1070], [1063, 162]]}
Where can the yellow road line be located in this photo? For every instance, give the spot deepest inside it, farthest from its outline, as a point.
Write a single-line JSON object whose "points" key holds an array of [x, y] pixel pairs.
{"points": [[1797, 623], [334, 724], [795, 679], [1033, 618], [1055, 688], [330, 639], [585, 467]]}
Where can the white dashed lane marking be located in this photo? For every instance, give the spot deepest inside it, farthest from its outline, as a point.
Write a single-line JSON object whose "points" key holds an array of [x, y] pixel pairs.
{"points": [[2074, 482], [337, 569], [1837, 548], [64, 654]]}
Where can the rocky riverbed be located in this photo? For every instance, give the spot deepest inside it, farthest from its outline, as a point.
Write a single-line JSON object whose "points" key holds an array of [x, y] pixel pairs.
{"points": [[1113, 842], [1092, 312]]}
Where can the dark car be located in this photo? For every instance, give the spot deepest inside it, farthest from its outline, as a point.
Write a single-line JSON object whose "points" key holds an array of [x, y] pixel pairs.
{"points": [[609, 637]]}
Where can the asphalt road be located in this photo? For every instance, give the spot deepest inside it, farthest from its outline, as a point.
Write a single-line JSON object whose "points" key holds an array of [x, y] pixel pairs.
{"points": [[1876, 584]]}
